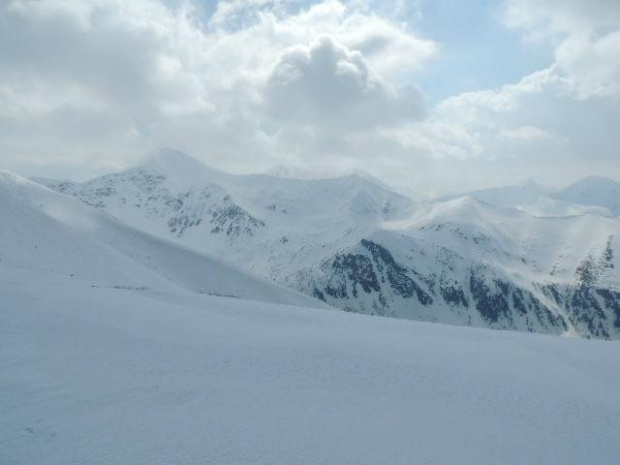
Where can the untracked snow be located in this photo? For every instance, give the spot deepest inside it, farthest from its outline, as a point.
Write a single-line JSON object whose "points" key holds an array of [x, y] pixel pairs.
{"points": [[112, 376]]}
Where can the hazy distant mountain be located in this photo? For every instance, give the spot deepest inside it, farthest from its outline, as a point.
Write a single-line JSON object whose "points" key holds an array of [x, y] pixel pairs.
{"points": [[507, 196], [594, 191], [359, 246], [533, 198], [283, 171]]}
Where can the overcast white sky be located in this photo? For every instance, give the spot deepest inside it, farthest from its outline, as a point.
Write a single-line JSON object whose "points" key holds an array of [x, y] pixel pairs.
{"points": [[436, 95]]}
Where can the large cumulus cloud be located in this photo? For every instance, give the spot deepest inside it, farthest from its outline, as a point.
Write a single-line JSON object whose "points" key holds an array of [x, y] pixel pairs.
{"points": [[327, 85], [586, 37], [95, 83]]}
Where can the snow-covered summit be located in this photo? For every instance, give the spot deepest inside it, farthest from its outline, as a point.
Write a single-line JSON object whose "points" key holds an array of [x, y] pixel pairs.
{"points": [[542, 201], [167, 156], [507, 196], [594, 191], [286, 171], [53, 234], [179, 170]]}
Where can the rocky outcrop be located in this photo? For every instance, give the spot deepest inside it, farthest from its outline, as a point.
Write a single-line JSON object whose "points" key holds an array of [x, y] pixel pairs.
{"points": [[367, 278], [180, 212]]}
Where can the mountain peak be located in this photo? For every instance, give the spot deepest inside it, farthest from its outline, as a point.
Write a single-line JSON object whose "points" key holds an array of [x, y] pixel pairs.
{"points": [[167, 157], [594, 190], [533, 185], [180, 170], [595, 181], [288, 172], [366, 176]]}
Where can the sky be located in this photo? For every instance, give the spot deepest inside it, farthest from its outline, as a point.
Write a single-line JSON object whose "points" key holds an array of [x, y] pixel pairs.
{"points": [[433, 96]]}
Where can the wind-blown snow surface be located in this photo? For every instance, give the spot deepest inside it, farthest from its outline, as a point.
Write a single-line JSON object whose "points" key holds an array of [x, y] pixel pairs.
{"points": [[358, 246], [110, 376]]}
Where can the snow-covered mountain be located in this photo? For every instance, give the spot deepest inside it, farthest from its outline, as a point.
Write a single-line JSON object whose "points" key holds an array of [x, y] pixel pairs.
{"points": [[464, 262], [533, 198], [46, 233], [284, 171], [121, 347], [594, 191], [271, 226], [361, 247], [507, 196]]}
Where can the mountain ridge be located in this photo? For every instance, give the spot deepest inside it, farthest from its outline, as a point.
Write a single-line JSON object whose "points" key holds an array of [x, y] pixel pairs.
{"points": [[598, 191], [57, 234], [360, 247]]}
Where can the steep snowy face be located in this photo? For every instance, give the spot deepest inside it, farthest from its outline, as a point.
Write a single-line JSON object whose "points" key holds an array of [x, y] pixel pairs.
{"points": [[360, 247], [170, 195], [467, 263], [47, 233], [594, 191]]}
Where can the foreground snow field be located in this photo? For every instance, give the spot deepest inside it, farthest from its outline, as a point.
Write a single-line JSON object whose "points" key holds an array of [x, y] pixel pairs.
{"points": [[112, 376]]}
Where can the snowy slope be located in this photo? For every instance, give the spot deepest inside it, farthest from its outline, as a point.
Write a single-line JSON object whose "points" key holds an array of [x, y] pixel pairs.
{"points": [[594, 191], [467, 263], [259, 222], [111, 377], [363, 248], [45, 232]]}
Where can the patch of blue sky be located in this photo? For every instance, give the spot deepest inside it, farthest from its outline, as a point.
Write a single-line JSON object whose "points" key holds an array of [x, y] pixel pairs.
{"points": [[477, 51]]}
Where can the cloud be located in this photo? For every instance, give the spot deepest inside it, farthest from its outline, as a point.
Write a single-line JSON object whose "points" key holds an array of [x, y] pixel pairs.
{"points": [[91, 85], [524, 133], [545, 18], [556, 124], [99, 82], [539, 127], [585, 35], [326, 85]]}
